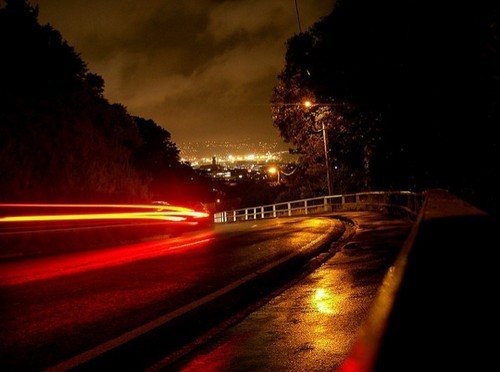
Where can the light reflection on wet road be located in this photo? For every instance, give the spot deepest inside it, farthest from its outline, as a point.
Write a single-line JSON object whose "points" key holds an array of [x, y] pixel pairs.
{"points": [[19, 272], [53, 308], [311, 326]]}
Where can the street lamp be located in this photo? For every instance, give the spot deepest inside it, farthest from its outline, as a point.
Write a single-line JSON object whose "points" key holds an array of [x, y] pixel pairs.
{"points": [[309, 104], [275, 170]]}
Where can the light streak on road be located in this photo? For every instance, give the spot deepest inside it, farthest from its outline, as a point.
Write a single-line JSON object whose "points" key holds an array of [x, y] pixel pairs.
{"points": [[155, 212], [98, 216], [132, 206], [12, 273]]}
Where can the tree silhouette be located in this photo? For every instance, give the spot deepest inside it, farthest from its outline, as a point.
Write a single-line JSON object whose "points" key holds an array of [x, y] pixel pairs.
{"points": [[60, 139], [417, 89]]}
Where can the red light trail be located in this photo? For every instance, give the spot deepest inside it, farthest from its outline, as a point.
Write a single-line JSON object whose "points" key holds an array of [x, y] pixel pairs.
{"points": [[166, 213], [19, 272]]}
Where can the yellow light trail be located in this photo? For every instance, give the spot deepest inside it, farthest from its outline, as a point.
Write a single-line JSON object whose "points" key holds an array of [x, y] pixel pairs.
{"points": [[166, 213]]}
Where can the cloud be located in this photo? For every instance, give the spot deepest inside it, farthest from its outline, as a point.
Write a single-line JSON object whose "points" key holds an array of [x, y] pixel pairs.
{"points": [[249, 17], [198, 68]]}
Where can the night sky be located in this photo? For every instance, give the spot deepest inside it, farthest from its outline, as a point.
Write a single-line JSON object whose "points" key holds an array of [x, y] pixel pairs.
{"points": [[202, 69]]}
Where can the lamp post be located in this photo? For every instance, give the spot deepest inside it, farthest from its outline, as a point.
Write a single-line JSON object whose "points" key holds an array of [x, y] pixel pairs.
{"points": [[275, 170], [325, 144]]}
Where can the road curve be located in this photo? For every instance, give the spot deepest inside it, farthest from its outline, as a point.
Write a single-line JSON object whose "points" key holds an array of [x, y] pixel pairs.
{"points": [[312, 325], [56, 308]]}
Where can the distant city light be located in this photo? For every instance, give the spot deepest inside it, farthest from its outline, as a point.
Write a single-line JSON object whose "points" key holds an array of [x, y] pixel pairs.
{"points": [[235, 162], [206, 152]]}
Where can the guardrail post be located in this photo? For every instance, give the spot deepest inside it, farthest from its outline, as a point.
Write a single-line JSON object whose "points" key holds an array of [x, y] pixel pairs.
{"points": [[413, 203]]}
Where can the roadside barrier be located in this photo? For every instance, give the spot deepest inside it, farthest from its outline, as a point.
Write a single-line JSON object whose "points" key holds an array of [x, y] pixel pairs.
{"points": [[402, 202], [432, 293]]}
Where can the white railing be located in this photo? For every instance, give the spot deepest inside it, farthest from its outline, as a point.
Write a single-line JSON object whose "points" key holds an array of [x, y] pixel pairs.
{"points": [[403, 201]]}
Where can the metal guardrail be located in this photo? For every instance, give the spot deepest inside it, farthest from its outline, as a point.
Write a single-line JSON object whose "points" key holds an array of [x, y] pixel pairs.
{"points": [[404, 201], [427, 268]]}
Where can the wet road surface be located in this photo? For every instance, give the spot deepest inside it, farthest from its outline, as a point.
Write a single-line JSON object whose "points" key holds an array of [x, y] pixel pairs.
{"points": [[52, 308], [310, 326]]}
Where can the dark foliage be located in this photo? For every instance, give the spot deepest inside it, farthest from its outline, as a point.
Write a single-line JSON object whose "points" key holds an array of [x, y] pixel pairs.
{"points": [[251, 194], [158, 158], [412, 90], [60, 139]]}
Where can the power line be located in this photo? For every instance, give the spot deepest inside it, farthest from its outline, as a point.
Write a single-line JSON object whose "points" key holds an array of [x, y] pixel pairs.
{"points": [[298, 16]]}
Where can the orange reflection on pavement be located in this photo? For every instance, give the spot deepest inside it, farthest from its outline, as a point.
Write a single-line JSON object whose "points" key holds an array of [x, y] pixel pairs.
{"points": [[325, 302]]}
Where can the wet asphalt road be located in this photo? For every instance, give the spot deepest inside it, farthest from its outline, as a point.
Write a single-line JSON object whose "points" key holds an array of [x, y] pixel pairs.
{"points": [[310, 326], [53, 308]]}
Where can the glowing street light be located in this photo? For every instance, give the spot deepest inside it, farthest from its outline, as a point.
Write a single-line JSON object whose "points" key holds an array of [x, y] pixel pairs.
{"points": [[275, 170], [309, 104]]}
